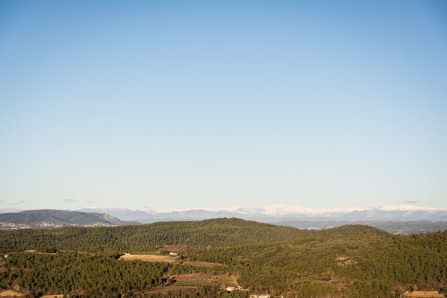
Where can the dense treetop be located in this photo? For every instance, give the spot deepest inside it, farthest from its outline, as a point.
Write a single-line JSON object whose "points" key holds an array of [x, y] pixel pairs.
{"points": [[213, 232]]}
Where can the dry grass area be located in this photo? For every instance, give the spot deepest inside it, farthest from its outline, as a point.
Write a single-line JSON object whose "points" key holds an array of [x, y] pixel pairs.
{"points": [[167, 259], [52, 296], [10, 293], [33, 251], [203, 264], [424, 294], [171, 289], [149, 258], [200, 278], [185, 283]]}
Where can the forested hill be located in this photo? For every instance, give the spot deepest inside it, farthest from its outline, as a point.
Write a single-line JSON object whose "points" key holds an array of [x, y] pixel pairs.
{"points": [[352, 230], [49, 218], [213, 232], [347, 261]]}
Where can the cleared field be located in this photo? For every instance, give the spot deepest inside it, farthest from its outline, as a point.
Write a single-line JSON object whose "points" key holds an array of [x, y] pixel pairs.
{"points": [[203, 264], [421, 294], [10, 293], [167, 259], [201, 279], [149, 258], [172, 290]]}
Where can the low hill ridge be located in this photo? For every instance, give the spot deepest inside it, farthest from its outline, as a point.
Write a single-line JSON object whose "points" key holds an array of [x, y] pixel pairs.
{"points": [[50, 218], [221, 232]]}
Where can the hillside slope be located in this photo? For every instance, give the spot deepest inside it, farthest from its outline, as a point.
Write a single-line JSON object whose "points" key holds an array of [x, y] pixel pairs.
{"points": [[353, 266], [215, 232], [48, 218], [347, 261]]}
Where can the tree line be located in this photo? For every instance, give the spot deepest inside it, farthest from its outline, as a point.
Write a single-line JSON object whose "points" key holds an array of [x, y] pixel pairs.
{"points": [[79, 273]]}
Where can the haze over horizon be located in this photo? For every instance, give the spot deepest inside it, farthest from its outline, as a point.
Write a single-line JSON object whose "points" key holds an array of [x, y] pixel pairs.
{"points": [[269, 210], [173, 104]]}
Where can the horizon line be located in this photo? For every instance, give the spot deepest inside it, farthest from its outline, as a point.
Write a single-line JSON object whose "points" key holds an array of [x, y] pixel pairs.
{"points": [[279, 209]]}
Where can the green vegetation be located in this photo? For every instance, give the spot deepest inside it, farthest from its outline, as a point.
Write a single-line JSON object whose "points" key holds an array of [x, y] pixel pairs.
{"points": [[215, 232], [376, 265], [85, 274], [352, 260], [47, 218]]}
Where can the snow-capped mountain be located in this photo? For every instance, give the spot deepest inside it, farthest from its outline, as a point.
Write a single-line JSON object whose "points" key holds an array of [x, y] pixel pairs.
{"points": [[273, 213]]}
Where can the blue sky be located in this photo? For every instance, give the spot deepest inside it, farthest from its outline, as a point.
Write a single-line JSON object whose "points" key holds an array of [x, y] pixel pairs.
{"points": [[185, 104]]}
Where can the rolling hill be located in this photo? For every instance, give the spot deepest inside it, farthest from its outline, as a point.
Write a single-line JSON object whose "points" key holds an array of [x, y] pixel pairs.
{"points": [[256, 258], [221, 232], [48, 218]]}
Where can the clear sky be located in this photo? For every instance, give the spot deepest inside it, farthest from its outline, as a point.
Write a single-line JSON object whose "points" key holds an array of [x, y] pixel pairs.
{"points": [[185, 104]]}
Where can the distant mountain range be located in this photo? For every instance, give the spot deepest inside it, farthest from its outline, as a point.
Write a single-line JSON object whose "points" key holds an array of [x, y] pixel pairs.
{"points": [[282, 213], [393, 219], [37, 219]]}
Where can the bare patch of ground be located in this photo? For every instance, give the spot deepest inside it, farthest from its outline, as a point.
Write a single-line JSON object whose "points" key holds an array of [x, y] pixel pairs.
{"points": [[150, 258], [203, 264], [172, 289], [184, 283], [33, 251], [201, 279], [10, 293], [167, 259], [423, 294], [344, 261]]}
